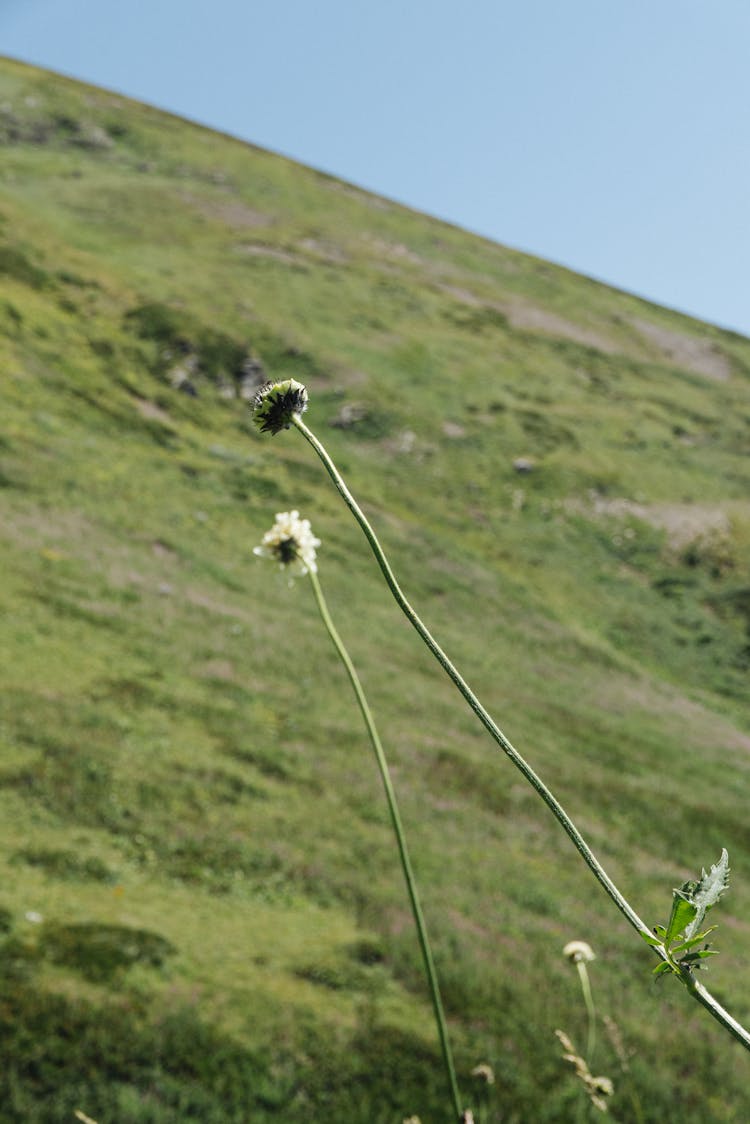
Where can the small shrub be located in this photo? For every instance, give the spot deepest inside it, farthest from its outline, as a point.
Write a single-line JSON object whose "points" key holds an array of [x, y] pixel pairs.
{"points": [[65, 864], [100, 953], [160, 324], [367, 952], [14, 263]]}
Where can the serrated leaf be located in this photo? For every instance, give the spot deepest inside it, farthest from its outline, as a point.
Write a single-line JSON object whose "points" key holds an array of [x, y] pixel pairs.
{"points": [[683, 913], [708, 891]]}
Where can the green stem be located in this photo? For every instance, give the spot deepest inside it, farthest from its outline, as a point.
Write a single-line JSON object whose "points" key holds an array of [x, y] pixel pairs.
{"points": [[696, 990], [411, 885], [588, 999]]}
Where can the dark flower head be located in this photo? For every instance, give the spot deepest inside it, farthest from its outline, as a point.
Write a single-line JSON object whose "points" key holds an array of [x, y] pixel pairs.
{"points": [[276, 403]]}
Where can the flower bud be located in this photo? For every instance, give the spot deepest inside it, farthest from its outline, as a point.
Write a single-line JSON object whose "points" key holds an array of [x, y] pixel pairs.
{"points": [[276, 403]]}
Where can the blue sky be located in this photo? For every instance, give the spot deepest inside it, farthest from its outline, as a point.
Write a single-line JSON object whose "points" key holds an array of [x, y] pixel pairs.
{"points": [[612, 136]]}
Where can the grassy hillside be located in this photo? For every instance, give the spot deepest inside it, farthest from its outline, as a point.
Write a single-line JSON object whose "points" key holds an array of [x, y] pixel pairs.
{"points": [[202, 914]]}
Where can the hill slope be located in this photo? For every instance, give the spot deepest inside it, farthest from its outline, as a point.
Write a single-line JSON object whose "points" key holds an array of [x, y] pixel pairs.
{"points": [[187, 799]]}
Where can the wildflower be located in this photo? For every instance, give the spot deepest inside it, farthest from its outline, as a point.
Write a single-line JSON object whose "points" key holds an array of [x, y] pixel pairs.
{"points": [[579, 951], [291, 543], [275, 404]]}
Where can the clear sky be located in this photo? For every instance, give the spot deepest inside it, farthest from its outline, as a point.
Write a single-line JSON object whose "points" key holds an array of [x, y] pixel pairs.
{"points": [[612, 136]]}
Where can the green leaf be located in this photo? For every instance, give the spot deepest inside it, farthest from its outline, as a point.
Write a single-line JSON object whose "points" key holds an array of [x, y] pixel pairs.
{"points": [[683, 913], [655, 942], [690, 961], [685, 945], [708, 891], [665, 966]]}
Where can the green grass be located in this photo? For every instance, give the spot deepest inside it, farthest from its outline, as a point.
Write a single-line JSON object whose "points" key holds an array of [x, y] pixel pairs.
{"points": [[184, 784]]}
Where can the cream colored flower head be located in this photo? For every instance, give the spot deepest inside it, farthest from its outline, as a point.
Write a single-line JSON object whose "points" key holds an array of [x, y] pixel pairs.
{"points": [[578, 951], [291, 543]]}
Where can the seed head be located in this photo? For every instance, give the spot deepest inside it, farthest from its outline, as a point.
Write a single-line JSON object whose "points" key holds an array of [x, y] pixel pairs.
{"points": [[598, 1088], [578, 951], [276, 403]]}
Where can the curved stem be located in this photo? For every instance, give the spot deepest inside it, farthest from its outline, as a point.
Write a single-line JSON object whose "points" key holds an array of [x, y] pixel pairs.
{"points": [[411, 885], [697, 990], [483, 715]]}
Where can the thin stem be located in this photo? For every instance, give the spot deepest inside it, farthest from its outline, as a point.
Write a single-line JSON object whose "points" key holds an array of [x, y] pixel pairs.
{"points": [[483, 715], [411, 884], [696, 990], [588, 999]]}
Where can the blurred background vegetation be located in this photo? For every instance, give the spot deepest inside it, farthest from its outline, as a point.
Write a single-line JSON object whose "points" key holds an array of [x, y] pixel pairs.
{"points": [[202, 915]]}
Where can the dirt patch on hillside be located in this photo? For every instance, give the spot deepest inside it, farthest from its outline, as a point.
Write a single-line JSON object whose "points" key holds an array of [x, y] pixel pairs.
{"points": [[229, 211], [49, 532], [391, 251], [532, 318], [523, 314], [374, 202], [201, 600], [696, 725], [151, 412], [325, 251], [217, 669], [683, 523], [464, 296], [308, 252], [261, 250], [683, 350]]}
